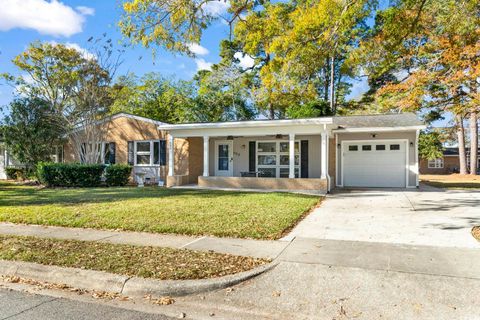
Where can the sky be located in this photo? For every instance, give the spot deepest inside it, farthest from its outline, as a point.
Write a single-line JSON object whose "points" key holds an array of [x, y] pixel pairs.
{"points": [[73, 22]]}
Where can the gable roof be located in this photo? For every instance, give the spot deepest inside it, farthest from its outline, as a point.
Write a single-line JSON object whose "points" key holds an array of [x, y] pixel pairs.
{"points": [[454, 151]]}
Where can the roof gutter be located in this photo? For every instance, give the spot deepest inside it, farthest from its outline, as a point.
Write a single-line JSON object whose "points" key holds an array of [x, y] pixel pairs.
{"points": [[380, 129], [247, 124]]}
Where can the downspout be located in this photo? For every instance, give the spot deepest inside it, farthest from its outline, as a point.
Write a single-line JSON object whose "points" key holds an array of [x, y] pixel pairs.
{"points": [[329, 180], [417, 172]]}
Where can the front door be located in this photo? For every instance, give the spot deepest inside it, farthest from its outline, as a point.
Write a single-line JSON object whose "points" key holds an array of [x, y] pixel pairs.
{"points": [[224, 158]]}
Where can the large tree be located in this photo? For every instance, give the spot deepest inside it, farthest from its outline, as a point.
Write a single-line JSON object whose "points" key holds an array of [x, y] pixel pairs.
{"points": [[75, 84], [301, 49], [31, 130], [428, 51], [154, 96]]}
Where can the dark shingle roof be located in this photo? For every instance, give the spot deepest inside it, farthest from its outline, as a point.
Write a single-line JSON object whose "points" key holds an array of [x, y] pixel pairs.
{"points": [[378, 121], [454, 151]]}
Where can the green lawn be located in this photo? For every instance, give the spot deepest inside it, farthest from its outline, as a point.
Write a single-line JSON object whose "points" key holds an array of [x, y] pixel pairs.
{"points": [[452, 181], [153, 209], [146, 262]]}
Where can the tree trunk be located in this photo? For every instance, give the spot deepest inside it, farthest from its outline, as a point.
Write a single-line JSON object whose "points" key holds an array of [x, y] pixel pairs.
{"points": [[461, 145], [271, 111], [326, 84], [473, 142], [332, 85]]}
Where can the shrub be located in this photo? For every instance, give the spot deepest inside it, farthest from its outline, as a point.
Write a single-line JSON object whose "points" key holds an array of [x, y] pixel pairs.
{"points": [[117, 174], [70, 174], [15, 173]]}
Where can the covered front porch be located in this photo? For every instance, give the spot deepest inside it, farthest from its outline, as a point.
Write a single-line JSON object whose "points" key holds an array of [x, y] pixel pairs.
{"points": [[266, 155]]}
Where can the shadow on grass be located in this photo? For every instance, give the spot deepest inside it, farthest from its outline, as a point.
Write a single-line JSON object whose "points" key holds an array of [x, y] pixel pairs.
{"points": [[17, 195]]}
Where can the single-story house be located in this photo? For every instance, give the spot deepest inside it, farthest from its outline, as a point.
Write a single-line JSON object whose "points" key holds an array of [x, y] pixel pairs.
{"points": [[294, 154], [133, 140], [449, 163]]}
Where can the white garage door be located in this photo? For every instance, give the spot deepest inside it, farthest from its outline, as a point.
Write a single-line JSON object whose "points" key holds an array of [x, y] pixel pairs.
{"points": [[374, 163]]}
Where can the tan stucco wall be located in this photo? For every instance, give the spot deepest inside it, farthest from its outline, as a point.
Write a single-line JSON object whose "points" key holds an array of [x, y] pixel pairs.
{"points": [[450, 164], [409, 135], [195, 155]]}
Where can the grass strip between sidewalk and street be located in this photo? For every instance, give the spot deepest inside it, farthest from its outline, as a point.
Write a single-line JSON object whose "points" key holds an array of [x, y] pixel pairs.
{"points": [[147, 262]]}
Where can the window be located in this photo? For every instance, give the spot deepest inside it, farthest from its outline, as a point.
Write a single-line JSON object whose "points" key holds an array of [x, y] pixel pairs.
{"points": [[366, 147], [380, 147], [93, 152], [352, 148], [394, 147], [435, 163], [150, 153], [273, 158], [57, 155]]}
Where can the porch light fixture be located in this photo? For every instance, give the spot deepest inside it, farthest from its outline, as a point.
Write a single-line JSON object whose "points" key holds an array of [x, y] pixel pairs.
{"points": [[411, 144], [230, 138], [278, 136]]}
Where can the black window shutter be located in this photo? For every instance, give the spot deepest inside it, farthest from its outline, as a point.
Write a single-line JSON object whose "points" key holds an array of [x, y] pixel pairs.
{"points": [[111, 148], [304, 158], [130, 153], [163, 152], [251, 156]]}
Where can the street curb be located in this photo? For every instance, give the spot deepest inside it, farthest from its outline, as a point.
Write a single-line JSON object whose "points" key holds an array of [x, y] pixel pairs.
{"points": [[129, 286]]}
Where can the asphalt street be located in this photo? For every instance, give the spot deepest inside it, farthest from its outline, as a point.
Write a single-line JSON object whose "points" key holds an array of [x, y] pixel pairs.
{"points": [[16, 305]]}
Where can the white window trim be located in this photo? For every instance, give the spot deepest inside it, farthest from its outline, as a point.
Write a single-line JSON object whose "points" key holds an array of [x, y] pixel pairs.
{"points": [[277, 155], [150, 153], [436, 163]]}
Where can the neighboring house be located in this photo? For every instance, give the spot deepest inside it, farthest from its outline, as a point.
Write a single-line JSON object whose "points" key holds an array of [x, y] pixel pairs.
{"points": [[449, 163], [131, 139], [296, 154], [3, 161]]}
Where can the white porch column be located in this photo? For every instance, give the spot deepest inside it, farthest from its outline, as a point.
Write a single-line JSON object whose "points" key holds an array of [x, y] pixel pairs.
{"points": [[206, 144], [291, 148], [324, 155], [171, 155]]}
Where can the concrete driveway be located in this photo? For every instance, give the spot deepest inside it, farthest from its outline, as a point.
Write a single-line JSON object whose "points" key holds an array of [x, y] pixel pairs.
{"points": [[428, 216]]}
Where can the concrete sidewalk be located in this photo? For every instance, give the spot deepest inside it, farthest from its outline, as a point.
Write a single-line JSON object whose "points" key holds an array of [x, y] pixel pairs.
{"points": [[240, 247]]}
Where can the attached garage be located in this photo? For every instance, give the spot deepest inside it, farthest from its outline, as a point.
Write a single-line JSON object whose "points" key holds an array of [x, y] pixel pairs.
{"points": [[377, 151], [375, 163]]}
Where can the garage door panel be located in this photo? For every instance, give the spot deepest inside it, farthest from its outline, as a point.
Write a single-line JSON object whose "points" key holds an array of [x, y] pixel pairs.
{"points": [[366, 165]]}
